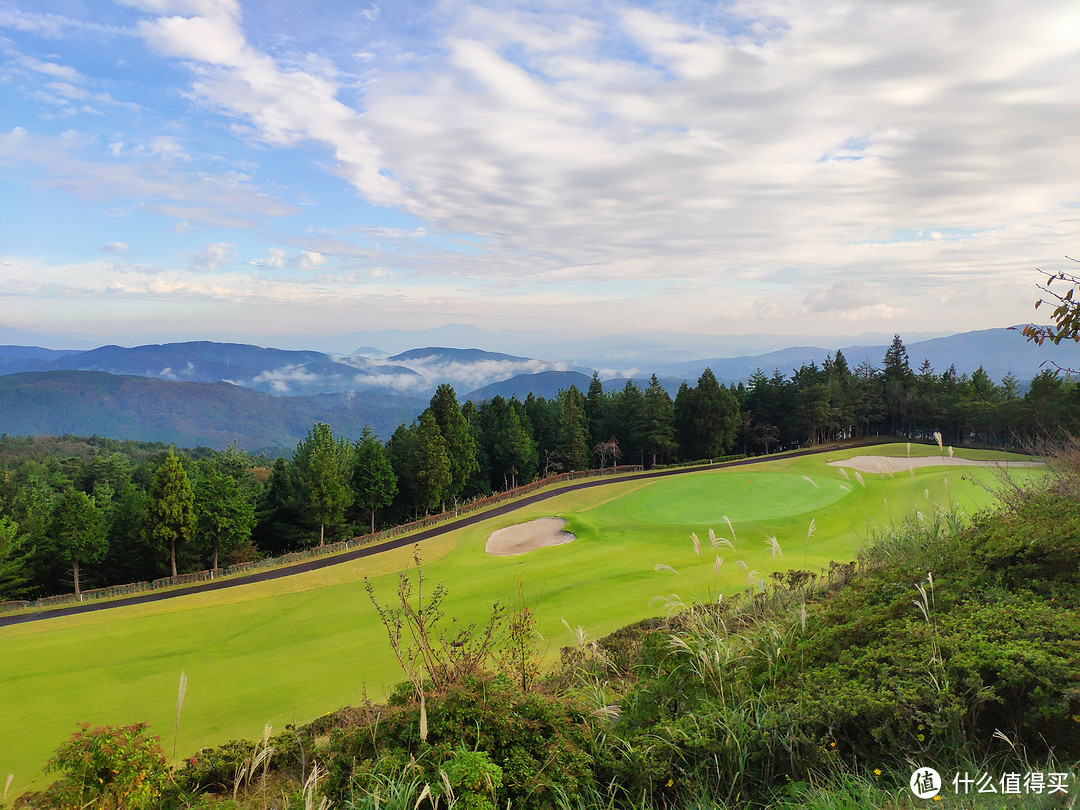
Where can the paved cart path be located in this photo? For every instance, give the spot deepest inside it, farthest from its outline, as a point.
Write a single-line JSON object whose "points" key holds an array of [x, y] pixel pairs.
{"points": [[377, 548]]}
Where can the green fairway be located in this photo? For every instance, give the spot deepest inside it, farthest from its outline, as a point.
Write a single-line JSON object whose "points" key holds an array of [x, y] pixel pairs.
{"points": [[289, 650]]}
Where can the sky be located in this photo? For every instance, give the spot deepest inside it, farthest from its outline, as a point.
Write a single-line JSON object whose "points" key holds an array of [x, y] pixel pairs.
{"points": [[229, 168]]}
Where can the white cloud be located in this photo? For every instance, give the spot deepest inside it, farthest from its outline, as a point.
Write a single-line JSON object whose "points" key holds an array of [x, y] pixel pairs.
{"points": [[310, 259], [114, 247], [226, 199], [64, 72], [275, 257], [282, 106], [211, 257]]}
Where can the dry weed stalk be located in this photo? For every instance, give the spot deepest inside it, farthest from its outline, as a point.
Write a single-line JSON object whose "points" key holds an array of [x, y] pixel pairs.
{"points": [[427, 649]]}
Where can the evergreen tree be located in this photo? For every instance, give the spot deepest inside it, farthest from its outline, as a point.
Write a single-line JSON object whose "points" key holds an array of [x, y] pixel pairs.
{"points": [[324, 473], [132, 554], [683, 417], [514, 452], [460, 447], [278, 511], [79, 530], [479, 482], [171, 508], [764, 402], [708, 418], [573, 444], [658, 422], [224, 517], [628, 412], [433, 473], [543, 417], [374, 481], [12, 561], [898, 379], [596, 410]]}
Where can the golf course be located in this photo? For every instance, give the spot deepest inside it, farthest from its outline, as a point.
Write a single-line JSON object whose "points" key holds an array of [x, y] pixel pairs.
{"points": [[286, 651]]}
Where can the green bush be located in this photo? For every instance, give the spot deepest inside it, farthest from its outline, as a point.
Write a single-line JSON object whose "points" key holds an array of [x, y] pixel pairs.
{"points": [[107, 767], [540, 743], [474, 778]]}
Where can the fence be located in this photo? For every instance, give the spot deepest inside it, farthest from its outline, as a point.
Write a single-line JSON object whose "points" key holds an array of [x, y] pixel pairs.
{"points": [[317, 551]]}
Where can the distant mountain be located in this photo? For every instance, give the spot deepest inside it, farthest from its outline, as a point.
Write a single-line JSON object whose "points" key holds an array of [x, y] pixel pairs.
{"points": [[445, 355], [273, 371], [998, 351], [545, 384], [284, 372], [89, 403], [14, 359]]}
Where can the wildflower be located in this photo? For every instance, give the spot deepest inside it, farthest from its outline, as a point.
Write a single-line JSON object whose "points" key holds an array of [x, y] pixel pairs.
{"points": [[877, 771], [670, 782], [921, 737], [937, 798], [832, 744]]}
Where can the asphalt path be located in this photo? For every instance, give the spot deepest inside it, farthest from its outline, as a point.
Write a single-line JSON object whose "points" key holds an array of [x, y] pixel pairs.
{"points": [[316, 563]]}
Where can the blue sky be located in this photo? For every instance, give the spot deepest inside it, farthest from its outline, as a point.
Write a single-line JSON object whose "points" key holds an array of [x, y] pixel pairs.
{"points": [[230, 168]]}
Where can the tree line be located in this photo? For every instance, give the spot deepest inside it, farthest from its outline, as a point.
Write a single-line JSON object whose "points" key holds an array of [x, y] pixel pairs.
{"points": [[111, 512]]}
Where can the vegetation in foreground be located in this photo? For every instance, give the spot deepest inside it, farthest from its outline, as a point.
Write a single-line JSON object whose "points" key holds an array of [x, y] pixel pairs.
{"points": [[943, 646]]}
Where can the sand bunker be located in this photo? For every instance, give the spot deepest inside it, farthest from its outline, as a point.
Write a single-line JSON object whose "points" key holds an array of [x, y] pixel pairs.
{"points": [[888, 464], [525, 537]]}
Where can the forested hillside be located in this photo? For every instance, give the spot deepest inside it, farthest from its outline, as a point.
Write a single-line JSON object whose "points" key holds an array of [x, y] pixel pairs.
{"points": [[340, 483]]}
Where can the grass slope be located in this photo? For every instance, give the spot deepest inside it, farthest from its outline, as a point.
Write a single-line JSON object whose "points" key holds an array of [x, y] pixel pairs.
{"points": [[290, 650]]}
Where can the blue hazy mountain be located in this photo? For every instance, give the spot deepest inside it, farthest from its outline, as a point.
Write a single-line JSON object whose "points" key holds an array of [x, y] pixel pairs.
{"points": [[87, 403], [545, 384]]}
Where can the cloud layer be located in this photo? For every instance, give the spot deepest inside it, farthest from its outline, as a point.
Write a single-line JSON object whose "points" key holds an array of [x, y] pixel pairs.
{"points": [[715, 168]]}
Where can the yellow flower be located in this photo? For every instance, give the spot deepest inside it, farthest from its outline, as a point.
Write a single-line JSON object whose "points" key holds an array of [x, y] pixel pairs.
{"points": [[921, 727], [921, 737], [937, 798], [877, 771], [670, 783], [832, 745]]}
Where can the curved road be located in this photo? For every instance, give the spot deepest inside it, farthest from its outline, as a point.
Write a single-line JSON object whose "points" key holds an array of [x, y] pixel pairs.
{"points": [[376, 548]]}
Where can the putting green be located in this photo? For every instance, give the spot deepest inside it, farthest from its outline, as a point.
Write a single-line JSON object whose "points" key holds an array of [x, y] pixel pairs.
{"points": [[289, 650], [705, 499]]}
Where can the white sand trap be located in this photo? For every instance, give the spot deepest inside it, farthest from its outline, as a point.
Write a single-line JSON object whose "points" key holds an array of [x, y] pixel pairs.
{"points": [[890, 464], [525, 537]]}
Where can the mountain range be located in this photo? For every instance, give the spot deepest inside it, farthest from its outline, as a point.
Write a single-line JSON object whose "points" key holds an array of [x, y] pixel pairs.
{"points": [[266, 399]]}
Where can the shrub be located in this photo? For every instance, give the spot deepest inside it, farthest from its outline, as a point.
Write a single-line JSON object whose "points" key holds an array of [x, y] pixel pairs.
{"points": [[540, 743], [474, 778], [107, 767]]}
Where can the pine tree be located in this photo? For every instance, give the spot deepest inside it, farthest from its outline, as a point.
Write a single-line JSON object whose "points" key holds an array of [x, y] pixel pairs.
{"points": [[224, 518], [12, 560], [433, 475], [324, 472], [79, 528], [374, 481], [573, 429], [898, 381], [658, 422], [596, 409], [171, 508], [460, 447]]}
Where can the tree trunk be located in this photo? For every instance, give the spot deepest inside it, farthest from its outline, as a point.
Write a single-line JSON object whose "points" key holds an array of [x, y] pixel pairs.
{"points": [[322, 534], [75, 566], [172, 548], [373, 521], [215, 555]]}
